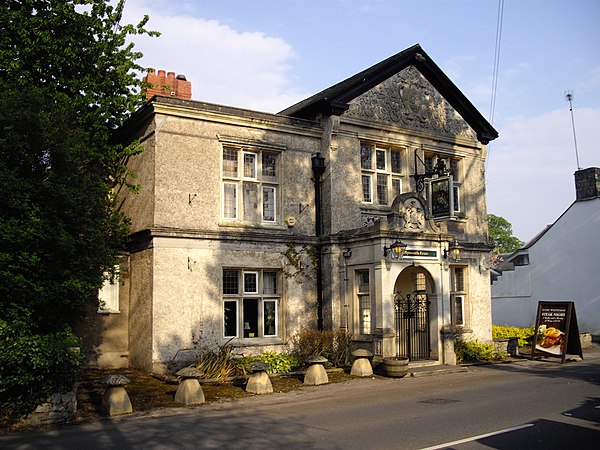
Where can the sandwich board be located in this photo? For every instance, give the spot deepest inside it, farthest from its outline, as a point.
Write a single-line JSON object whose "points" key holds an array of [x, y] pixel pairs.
{"points": [[556, 331]]}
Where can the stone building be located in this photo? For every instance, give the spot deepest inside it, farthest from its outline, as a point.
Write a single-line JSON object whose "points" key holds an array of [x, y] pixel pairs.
{"points": [[361, 208], [560, 263]]}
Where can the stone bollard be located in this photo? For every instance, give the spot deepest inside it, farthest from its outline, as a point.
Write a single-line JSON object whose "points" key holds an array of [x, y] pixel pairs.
{"points": [[362, 365], [115, 400], [259, 381], [316, 373], [189, 391]]}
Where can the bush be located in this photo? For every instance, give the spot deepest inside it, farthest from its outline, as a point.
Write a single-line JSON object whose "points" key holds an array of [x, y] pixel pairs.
{"points": [[524, 334], [473, 351], [218, 364], [279, 362], [333, 345], [33, 367]]}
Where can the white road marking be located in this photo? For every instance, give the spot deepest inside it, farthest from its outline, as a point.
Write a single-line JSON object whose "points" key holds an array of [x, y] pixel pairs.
{"points": [[481, 436]]}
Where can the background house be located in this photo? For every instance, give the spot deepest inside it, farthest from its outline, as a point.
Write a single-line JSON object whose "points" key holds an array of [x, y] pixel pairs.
{"points": [[361, 208], [560, 263]]}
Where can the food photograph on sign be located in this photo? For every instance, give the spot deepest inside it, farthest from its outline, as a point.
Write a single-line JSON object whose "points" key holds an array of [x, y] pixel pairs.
{"points": [[550, 340]]}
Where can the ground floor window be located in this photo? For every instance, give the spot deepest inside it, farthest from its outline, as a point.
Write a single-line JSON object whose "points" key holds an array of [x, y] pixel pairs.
{"points": [[108, 296], [251, 301], [458, 295], [364, 301]]}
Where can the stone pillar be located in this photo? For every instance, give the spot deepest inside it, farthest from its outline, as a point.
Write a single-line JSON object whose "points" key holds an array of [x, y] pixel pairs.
{"points": [[189, 391], [448, 336], [362, 365], [259, 381]]}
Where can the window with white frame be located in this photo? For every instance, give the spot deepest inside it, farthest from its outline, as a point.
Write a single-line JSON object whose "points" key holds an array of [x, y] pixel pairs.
{"points": [[108, 296], [251, 301], [364, 301], [458, 295], [250, 182], [381, 174]]}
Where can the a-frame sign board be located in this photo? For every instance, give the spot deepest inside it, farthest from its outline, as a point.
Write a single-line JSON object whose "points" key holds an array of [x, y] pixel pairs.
{"points": [[556, 331]]}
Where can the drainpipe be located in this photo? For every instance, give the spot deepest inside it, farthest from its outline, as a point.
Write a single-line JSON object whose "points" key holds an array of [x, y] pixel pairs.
{"points": [[318, 167]]}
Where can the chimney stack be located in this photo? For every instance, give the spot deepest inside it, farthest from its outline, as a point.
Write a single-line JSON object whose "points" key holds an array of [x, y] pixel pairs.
{"points": [[587, 184], [167, 85]]}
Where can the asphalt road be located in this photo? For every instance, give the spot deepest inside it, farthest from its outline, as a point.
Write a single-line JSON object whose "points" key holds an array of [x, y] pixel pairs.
{"points": [[527, 404]]}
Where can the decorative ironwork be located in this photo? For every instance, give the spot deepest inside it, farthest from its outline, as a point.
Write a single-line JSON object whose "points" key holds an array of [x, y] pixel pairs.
{"points": [[412, 325]]}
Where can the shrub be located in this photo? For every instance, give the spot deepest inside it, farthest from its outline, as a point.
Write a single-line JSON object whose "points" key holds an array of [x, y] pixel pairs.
{"points": [[34, 366], [278, 362], [473, 351], [524, 334], [218, 364], [333, 345]]}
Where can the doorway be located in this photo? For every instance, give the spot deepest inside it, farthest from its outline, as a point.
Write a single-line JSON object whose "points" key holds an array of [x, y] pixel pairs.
{"points": [[411, 307]]}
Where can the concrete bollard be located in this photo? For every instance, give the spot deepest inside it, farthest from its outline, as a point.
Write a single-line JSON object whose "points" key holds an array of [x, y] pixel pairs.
{"points": [[316, 373], [361, 367], [259, 381], [115, 400], [189, 391]]}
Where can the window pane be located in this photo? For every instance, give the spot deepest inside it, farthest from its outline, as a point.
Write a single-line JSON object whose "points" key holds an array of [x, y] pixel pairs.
{"points": [[230, 200], [396, 161], [251, 202], [230, 324], [456, 203], [363, 281], [428, 163], [366, 188], [230, 282], [230, 162], [250, 317], [108, 296], [250, 283], [396, 187], [268, 204], [250, 165], [270, 318], [382, 189], [459, 279], [365, 157], [380, 155], [269, 165], [458, 310], [455, 169], [270, 283], [365, 313]]}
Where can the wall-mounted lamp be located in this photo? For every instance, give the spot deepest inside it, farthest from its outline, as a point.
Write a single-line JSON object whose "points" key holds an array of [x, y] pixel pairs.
{"points": [[347, 253], [453, 250], [395, 251]]}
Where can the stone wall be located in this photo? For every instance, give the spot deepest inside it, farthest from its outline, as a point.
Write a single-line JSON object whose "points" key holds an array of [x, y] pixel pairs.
{"points": [[60, 408]]}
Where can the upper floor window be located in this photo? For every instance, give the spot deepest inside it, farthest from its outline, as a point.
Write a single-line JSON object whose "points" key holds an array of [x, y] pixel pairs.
{"points": [[444, 193], [250, 183], [381, 174]]}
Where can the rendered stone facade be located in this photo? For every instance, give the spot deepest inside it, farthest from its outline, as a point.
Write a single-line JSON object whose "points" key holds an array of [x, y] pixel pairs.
{"points": [[250, 226]]}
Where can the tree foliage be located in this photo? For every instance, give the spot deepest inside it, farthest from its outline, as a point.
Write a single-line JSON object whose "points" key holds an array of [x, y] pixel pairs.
{"points": [[500, 235], [69, 78]]}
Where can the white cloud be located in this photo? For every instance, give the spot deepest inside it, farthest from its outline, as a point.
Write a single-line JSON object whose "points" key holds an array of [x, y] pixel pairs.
{"points": [[531, 167], [225, 66]]}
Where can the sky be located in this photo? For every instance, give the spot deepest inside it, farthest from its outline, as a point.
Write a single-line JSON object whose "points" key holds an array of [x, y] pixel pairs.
{"points": [[266, 55]]}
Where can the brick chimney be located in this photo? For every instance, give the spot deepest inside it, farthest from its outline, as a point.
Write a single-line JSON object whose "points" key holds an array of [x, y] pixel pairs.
{"points": [[587, 184], [167, 85]]}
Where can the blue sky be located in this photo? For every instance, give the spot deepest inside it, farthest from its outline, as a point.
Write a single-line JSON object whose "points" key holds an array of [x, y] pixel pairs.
{"points": [[269, 54]]}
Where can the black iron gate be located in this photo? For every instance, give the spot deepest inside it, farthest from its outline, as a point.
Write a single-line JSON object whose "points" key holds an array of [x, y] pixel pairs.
{"points": [[412, 325]]}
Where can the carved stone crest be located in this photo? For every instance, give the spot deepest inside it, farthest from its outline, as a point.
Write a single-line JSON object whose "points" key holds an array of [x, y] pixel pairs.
{"points": [[408, 99]]}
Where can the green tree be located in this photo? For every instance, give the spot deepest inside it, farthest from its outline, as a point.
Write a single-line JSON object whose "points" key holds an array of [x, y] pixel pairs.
{"points": [[69, 79], [500, 235]]}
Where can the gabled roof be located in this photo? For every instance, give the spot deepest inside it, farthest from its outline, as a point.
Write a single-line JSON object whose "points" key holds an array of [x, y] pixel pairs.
{"points": [[334, 100]]}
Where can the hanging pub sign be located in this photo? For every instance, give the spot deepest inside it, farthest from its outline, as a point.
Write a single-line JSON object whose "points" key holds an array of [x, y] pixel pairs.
{"points": [[440, 197], [556, 331]]}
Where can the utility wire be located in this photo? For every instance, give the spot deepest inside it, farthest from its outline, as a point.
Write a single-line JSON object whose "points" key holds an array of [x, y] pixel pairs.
{"points": [[496, 59]]}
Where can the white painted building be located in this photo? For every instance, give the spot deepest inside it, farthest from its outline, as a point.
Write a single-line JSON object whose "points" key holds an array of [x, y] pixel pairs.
{"points": [[560, 263]]}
